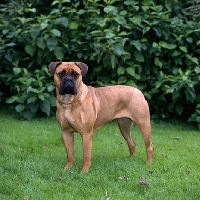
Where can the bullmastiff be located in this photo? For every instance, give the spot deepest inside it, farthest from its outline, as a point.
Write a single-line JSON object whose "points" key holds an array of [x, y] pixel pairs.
{"points": [[84, 109]]}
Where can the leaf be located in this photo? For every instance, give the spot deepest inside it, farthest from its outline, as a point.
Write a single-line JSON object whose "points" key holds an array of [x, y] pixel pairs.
{"points": [[193, 59], [30, 50], [168, 5], [40, 43], [184, 49], [55, 2], [176, 53], [43, 25], [50, 88], [12, 99], [16, 70], [190, 95], [122, 80], [33, 106], [123, 13], [30, 89], [58, 52], [120, 20], [27, 114], [79, 55], [54, 11], [64, 21], [22, 20], [26, 198], [52, 100], [124, 41], [128, 3], [35, 32], [157, 62], [10, 44], [45, 107], [130, 71], [41, 96], [73, 25], [167, 46], [52, 43], [131, 83], [136, 20], [33, 10], [197, 70], [56, 32], [189, 39], [179, 108], [19, 108], [109, 34], [96, 32], [145, 30], [46, 95], [155, 45], [21, 99], [137, 44], [117, 49], [111, 9], [113, 60], [81, 11], [120, 70], [138, 56], [123, 33], [31, 99]]}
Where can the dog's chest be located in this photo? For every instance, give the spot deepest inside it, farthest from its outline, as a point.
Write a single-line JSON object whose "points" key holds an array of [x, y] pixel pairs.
{"points": [[70, 120]]}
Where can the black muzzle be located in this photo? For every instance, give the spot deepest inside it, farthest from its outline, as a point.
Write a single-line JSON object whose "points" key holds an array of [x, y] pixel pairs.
{"points": [[68, 86]]}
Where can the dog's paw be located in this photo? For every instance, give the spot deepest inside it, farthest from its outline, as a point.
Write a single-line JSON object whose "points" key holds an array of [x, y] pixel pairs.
{"points": [[68, 166]]}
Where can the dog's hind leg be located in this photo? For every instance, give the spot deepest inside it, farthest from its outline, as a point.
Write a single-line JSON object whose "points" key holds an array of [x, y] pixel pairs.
{"points": [[145, 128], [125, 125]]}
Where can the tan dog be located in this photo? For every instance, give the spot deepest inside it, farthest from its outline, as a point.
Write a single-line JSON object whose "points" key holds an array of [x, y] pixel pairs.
{"points": [[84, 109]]}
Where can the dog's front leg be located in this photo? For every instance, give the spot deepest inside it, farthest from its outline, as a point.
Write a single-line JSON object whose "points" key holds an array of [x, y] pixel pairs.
{"points": [[87, 150], [68, 139]]}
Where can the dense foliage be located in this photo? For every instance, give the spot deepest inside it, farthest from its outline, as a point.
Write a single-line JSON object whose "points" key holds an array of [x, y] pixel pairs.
{"points": [[152, 45]]}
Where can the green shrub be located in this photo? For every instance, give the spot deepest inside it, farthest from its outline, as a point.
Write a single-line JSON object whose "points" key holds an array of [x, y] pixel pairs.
{"points": [[147, 44], [34, 92]]}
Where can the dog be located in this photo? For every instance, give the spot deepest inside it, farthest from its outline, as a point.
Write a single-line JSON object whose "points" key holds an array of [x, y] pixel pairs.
{"points": [[84, 109]]}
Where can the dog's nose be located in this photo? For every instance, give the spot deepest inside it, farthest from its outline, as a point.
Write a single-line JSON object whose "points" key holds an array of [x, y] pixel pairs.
{"points": [[68, 78]]}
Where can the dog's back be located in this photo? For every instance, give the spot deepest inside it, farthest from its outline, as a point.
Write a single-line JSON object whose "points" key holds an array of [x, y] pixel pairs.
{"points": [[119, 101]]}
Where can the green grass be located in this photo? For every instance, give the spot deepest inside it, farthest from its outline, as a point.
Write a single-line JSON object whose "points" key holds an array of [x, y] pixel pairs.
{"points": [[32, 158]]}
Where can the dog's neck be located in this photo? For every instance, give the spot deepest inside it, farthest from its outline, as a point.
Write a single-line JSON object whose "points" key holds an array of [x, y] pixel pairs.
{"points": [[69, 99]]}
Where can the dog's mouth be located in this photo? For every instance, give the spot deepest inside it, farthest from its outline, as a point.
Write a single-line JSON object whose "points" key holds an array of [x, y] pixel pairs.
{"points": [[68, 86]]}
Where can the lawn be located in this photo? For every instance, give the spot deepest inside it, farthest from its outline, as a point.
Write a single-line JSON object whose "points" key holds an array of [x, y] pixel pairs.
{"points": [[32, 158]]}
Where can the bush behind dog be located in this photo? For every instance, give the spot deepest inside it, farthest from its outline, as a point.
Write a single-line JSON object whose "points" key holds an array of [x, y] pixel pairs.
{"points": [[149, 45]]}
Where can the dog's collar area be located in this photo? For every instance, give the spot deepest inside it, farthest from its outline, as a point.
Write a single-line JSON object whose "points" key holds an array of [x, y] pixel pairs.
{"points": [[77, 98]]}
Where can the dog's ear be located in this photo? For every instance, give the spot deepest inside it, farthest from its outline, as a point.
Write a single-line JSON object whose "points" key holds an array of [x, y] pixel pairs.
{"points": [[52, 67], [83, 67]]}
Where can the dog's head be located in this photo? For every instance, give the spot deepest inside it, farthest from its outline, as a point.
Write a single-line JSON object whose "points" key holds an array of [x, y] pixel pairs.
{"points": [[68, 75]]}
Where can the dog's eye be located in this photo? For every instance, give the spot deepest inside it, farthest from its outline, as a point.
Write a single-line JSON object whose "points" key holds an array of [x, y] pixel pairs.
{"points": [[75, 75], [61, 74]]}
